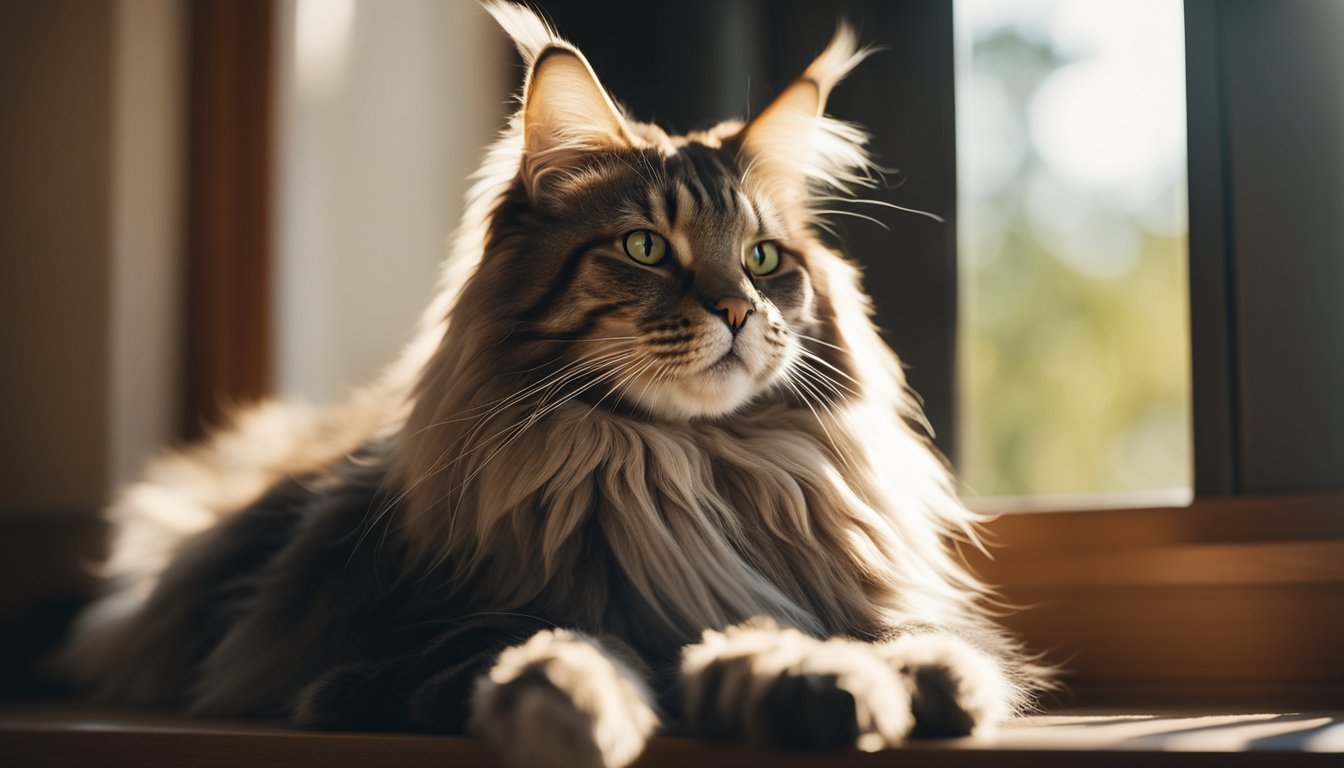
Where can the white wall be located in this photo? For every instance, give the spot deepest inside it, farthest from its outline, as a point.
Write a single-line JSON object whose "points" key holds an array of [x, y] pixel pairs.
{"points": [[89, 245], [384, 108], [146, 238]]}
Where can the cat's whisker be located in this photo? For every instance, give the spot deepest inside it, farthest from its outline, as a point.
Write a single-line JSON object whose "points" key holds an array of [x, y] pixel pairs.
{"points": [[635, 377], [513, 432], [838, 387], [543, 408], [572, 376], [565, 373], [461, 415], [658, 376], [884, 204], [825, 226], [466, 617], [556, 379], [839, 212], [819, 341], [843, 456], [805, 371], [814, 356], [794, 384], [580, 341], [630, 377]]}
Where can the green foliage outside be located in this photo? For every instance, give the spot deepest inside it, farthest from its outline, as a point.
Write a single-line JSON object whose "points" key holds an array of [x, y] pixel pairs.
{"points": [[1073, 380]]}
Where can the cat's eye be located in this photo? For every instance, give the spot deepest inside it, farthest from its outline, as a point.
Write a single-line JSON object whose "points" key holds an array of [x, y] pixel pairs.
{"points": [[764, 258], [645, 247]]}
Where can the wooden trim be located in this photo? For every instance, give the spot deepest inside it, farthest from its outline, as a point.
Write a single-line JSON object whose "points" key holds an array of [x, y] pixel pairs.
{"points": [[65, 735], [229, 193], [1236, 601]]}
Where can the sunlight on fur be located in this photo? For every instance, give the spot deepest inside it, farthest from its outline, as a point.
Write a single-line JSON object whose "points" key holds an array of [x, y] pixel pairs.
{"points": [[646, 462]]}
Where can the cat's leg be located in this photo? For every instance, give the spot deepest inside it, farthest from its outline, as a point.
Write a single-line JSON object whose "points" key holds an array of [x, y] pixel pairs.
{"points": [[560, 698], [956, 688], [565, 699], [777, 687], [426, 689]]}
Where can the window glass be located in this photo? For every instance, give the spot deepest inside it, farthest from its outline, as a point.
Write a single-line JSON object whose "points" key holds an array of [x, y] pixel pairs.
{"points": [[1073, 345]]}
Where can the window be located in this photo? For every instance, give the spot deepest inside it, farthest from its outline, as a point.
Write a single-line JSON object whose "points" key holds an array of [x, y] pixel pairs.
{"points": [[1073, 341]]}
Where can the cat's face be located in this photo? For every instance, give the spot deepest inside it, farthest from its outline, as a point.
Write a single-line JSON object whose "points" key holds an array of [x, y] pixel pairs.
{"points": [[670, 274], [682, 283]]}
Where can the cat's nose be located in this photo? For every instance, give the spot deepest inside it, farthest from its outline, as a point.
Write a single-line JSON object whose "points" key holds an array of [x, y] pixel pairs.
{"points": [[735, 310]]}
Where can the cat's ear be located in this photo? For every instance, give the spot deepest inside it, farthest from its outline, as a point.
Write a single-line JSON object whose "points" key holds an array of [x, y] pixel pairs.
{"points": [[565, 108], [792, 143], [566, 112]]}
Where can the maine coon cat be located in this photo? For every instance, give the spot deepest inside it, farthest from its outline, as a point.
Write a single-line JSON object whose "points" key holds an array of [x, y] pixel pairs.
{"points": [[647, 464]]}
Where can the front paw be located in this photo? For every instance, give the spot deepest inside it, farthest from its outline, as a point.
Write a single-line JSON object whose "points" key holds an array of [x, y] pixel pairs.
{"points": [[561, 700], [779, 688], [955, 688]]}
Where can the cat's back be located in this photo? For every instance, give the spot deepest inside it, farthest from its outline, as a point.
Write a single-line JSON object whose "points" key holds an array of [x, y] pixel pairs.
{"points": [[229, 496]]}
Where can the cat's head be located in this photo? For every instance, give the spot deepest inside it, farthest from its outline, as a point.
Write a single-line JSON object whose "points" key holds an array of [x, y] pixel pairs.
{"points": [[681, 275]]}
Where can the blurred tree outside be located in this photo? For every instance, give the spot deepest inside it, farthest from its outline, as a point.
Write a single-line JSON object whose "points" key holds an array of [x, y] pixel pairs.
{"points": [[1073, 344]]}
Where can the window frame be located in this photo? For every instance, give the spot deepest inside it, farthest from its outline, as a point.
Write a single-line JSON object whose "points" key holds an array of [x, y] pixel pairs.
{"points": [[1226, 601]]}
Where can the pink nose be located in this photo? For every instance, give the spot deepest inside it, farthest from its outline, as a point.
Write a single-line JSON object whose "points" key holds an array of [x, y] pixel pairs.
{"points": [[735, 310]]}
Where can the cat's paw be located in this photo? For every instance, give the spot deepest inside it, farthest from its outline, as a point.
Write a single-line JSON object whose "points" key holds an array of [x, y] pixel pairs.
{"points": [[778, 688], [337, 700], [561, 699], [955, 688]]}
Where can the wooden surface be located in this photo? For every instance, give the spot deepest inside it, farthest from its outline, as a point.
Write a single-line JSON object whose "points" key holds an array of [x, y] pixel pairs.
{"points": [[1226, 602], [62, 735]]}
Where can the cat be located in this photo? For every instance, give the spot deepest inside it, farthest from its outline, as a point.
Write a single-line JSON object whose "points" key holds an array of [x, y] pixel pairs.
{"points": [[646, 465]]}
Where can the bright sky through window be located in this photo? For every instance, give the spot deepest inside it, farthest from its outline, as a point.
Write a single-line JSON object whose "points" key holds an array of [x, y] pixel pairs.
{"points": [[1073, 341]]}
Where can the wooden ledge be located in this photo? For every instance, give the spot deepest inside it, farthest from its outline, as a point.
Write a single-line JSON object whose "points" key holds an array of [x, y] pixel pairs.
{"points": [[1225, 602], [61, 735]]}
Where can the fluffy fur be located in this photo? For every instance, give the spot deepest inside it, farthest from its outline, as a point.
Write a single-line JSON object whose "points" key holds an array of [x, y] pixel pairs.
{"points": [[587, 498]]}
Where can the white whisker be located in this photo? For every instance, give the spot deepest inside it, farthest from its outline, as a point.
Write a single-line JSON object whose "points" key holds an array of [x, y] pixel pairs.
{"points": [[838, 212], [884, 204]]}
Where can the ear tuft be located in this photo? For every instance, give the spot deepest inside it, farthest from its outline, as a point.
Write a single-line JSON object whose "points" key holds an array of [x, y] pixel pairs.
{"points": [[791, 145], [840, 58], [530, 33], [565, 110]]}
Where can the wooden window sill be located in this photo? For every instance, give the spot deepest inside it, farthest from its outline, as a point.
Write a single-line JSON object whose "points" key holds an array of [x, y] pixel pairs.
{"points": [[53, 735], [1225, 602]]}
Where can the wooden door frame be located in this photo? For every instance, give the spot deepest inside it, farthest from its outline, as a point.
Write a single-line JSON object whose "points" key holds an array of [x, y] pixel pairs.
{"points": [[230, 199]]}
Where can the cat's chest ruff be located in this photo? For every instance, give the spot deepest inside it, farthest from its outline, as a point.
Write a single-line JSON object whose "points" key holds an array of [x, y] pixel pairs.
{"points": [[747, 469]]}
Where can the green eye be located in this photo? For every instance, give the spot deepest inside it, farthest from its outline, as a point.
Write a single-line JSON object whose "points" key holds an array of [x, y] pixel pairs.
{"points": [[645, 247], [764, 258]]}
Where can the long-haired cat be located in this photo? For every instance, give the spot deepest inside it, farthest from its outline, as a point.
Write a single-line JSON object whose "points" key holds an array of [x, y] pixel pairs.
{"points": [[646, 465]]}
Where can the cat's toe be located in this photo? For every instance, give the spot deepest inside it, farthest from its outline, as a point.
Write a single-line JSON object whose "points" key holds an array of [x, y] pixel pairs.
{"points": [[808, 712], [533, 724], [778, 688], [559, 701], [955, 688]]}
